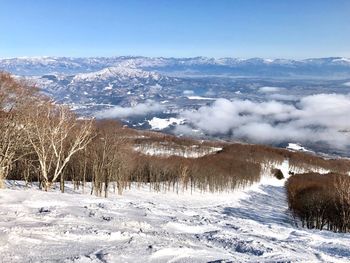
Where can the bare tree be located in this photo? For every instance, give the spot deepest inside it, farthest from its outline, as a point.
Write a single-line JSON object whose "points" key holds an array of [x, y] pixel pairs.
{"points": [[9, 144], [342, 204], [14, 96], [107, 152], [55, 135]]}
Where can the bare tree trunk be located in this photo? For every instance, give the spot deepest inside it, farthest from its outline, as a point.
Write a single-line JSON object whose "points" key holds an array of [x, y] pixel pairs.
{"points": [[2, 184], [84, 176], [62, 183], [47, 185], [106, 184], [120, 188], [39, 182]]}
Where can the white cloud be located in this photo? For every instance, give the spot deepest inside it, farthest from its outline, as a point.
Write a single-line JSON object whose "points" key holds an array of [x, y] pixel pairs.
{"points": [[137, 110], [210, 92], [284, 97], [270, 89], [274, 93], [322, 117]]}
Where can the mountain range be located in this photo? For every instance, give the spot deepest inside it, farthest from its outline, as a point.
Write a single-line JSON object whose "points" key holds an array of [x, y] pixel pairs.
{"points": [[331, 67]]}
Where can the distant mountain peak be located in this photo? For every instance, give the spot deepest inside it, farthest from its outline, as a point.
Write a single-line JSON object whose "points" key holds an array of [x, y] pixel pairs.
{"points": [[116, 72]]}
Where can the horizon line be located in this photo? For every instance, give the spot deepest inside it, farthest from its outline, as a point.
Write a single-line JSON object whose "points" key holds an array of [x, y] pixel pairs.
{"points": [[174, 57]]}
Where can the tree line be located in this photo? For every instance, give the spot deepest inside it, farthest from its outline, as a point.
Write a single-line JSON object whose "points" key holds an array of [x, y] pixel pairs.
{"points": [[320, 201]]}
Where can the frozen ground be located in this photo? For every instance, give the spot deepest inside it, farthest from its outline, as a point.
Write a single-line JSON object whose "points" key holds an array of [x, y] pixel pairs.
{"points": [[142, 226]]}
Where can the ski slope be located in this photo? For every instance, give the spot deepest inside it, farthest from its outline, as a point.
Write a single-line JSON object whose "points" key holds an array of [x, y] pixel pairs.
{"points": [[250, 225]]}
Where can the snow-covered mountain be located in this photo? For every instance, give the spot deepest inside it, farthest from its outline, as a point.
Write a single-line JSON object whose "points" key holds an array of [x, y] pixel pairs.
{"points": [[317, 67], [117, 85], [117, 72]]}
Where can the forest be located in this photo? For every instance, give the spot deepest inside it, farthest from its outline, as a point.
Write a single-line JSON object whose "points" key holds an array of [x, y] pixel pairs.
{"points": [[320, 201]]}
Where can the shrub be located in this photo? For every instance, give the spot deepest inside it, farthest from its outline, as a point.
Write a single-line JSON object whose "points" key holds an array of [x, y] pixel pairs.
{"points": [[278, 174]]}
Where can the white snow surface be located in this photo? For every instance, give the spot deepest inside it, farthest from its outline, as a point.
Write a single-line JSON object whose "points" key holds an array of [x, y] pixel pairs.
{"points": [[296, 147], [199, 98], [116, 72], [160, 124], [250, 225], [167, 150]]}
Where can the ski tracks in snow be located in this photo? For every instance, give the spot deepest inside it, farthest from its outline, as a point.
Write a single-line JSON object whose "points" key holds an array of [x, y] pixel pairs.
{"points": [[252, 225]]}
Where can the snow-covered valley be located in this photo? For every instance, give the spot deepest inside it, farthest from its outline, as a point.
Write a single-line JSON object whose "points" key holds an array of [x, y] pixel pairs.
{"points": [[250, 225]]}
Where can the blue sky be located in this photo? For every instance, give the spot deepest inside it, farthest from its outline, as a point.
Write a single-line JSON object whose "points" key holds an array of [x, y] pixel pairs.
{"points": [[214, 28]]}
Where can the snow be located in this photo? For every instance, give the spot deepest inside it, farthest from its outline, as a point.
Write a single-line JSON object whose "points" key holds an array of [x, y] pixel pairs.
{"points": [[268, 60], [285, 168], [296, 147], [109, 87], [199, 98], [169, 150], [160, 124], [344, 60], [250, 225], [116, 72]]}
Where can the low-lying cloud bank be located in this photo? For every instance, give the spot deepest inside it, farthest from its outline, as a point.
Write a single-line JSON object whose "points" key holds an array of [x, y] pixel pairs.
{"points": [[270, 89], [315, 118], [137, 110]]}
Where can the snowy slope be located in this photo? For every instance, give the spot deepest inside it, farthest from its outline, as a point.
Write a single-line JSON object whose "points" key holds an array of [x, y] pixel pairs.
{"points": [[142, 226]]}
